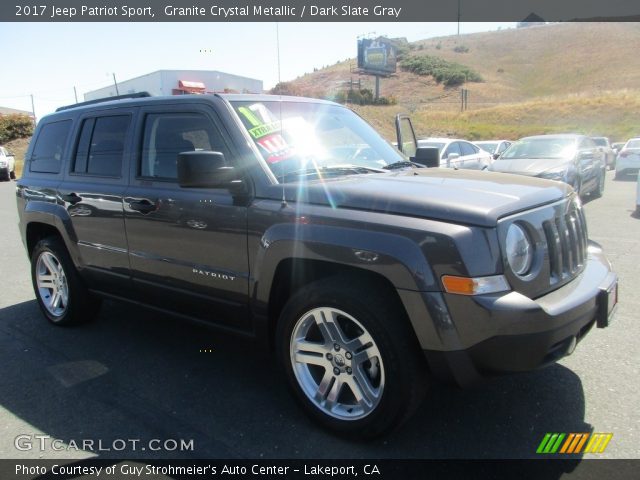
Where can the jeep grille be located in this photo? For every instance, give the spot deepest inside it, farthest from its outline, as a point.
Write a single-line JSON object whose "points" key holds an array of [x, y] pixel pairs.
{"points": [[566, 236]]}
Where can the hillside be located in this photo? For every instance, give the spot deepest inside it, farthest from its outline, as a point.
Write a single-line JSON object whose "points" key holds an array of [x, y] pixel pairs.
{"points": [[558, 77]]}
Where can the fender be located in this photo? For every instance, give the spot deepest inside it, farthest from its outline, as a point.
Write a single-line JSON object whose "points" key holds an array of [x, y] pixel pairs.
{"points": [[395, 257], [56, 216]]}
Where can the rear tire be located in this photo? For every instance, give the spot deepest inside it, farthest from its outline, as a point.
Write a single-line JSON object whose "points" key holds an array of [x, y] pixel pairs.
{"points": [[350, 357], [61, 294]]}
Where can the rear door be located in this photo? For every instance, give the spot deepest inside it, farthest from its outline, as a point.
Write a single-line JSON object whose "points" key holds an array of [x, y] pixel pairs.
{"points": [[188, 246], [92, 192]]}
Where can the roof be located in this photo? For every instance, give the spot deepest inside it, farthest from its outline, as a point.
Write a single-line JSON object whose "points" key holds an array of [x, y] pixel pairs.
{"points": [[13, 111], [568, 136], [231, 97], [442, 139]]}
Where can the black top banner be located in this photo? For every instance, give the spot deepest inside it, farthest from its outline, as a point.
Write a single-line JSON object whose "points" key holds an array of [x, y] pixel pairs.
{"points": [[319, 10]]}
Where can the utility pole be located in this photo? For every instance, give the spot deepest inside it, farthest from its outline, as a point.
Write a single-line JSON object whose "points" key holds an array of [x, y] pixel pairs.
{"points": [[75, 93], [115, 83], [33, 110], [278, 48]]}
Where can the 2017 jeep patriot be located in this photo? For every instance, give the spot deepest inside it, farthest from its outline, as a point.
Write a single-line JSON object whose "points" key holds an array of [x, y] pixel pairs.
{"points": [[292, 221]]}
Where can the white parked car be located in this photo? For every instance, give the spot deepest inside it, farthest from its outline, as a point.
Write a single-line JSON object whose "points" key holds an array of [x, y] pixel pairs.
{"points": [[638, 196], [628, 160], [494, 147], [457, 153], [7, 165]]}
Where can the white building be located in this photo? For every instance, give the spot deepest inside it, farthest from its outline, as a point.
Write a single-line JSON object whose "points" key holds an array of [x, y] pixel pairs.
{"points": [[180, 82]]}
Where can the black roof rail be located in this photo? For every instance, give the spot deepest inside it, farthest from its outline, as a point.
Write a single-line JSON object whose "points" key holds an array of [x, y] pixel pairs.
{"points": [[105, 99]]}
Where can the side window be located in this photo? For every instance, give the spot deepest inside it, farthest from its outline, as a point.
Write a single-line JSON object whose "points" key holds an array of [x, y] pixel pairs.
{"points": [[503, 147], [168, 134], [452, 148], [101, 146], [468, 149], [49, 147]]}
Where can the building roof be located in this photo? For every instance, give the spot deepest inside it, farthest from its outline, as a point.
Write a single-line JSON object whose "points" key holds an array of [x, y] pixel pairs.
{"points": [[13, 111]]}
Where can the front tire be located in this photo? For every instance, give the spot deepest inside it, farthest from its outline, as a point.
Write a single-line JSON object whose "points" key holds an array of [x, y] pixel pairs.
{"points": [[350, 357], [61, 295]]}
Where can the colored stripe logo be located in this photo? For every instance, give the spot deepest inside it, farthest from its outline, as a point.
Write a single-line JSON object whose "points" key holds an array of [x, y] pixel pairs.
{"points": [[573, 443]]}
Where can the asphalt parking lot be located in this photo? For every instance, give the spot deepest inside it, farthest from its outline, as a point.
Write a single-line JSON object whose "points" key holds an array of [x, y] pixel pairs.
{"points": [[133, 374]]}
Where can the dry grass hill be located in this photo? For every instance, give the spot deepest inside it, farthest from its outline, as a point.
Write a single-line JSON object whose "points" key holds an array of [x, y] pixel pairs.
{"points": [[581, 77]]}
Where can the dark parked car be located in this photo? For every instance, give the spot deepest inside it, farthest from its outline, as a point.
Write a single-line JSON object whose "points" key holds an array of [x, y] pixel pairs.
{"points": [[291, 221], [572, 159]]}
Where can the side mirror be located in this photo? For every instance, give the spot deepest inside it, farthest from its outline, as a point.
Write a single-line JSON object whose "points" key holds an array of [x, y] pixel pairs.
{"points": [[205, 169], [496, 156], [427, 156]]}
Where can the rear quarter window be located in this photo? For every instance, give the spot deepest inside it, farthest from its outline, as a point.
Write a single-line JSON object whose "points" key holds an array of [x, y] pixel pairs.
{"points": [[46, 156]]}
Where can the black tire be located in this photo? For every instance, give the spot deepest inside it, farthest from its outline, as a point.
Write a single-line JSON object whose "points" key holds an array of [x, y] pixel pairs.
{"points": [[401, 365], [6, 176], [80, 306]]}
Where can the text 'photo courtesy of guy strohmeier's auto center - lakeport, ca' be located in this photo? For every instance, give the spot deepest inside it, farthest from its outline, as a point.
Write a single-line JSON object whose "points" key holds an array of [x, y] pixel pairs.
{"points": [[395, 240]]}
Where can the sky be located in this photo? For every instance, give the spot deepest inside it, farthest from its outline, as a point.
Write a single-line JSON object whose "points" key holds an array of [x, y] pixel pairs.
{"points": [[47, 60]]}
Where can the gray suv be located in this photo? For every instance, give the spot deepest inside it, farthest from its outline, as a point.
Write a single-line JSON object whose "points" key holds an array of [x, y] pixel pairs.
{"points": [[291, 221]]}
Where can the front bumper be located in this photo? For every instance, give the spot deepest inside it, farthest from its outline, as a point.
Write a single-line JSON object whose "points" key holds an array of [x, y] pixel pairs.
{"points": [[509, 332]]}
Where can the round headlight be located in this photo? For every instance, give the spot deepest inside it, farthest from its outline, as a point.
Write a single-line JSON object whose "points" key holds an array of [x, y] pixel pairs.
{"points": [[519, 250]]}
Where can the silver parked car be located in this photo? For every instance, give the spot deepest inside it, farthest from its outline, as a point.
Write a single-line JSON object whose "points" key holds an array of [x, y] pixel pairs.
{"points": [[628, 158], [457, 153], [607, 149], [7, 165], [494, 147], [569, 158]]}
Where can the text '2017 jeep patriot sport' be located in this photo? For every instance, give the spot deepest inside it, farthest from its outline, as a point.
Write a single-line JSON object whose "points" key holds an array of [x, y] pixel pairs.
{"points": [[291, 220]]}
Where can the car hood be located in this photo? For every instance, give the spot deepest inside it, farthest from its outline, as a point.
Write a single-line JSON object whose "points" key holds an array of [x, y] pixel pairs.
{"points": [[460, 196], [528, 166]]}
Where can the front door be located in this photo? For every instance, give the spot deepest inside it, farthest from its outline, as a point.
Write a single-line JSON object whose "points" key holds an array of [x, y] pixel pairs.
{"points": [[187, 246]]}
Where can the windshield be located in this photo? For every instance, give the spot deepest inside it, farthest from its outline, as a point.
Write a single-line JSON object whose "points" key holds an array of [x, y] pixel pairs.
{"points": [[633, 144], [601, 142], [301, 139], [427, 144], [487, 147], [548, 148]]}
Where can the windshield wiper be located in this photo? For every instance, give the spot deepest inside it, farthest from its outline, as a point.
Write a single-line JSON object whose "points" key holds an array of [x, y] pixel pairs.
{"points": [[403, 164]]}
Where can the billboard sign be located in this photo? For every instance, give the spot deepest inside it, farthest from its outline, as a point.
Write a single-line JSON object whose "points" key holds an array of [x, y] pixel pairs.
{"points": [[377, 56]]}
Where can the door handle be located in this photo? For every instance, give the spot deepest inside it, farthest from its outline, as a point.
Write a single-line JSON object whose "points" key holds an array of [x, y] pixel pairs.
{"points": [[143, 206], [71, 198]]}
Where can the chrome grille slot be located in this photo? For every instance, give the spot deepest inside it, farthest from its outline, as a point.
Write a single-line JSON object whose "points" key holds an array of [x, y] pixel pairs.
{"points": [[566, 238]]}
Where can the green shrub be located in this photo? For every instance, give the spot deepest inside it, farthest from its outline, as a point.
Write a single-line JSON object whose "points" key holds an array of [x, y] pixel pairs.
{"points": [[15, 126], [441, 70], [461, 49]]}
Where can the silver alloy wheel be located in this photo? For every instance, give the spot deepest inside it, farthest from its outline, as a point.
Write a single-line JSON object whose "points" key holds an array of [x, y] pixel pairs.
{"points": [[337, 363], [52, 284]]}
